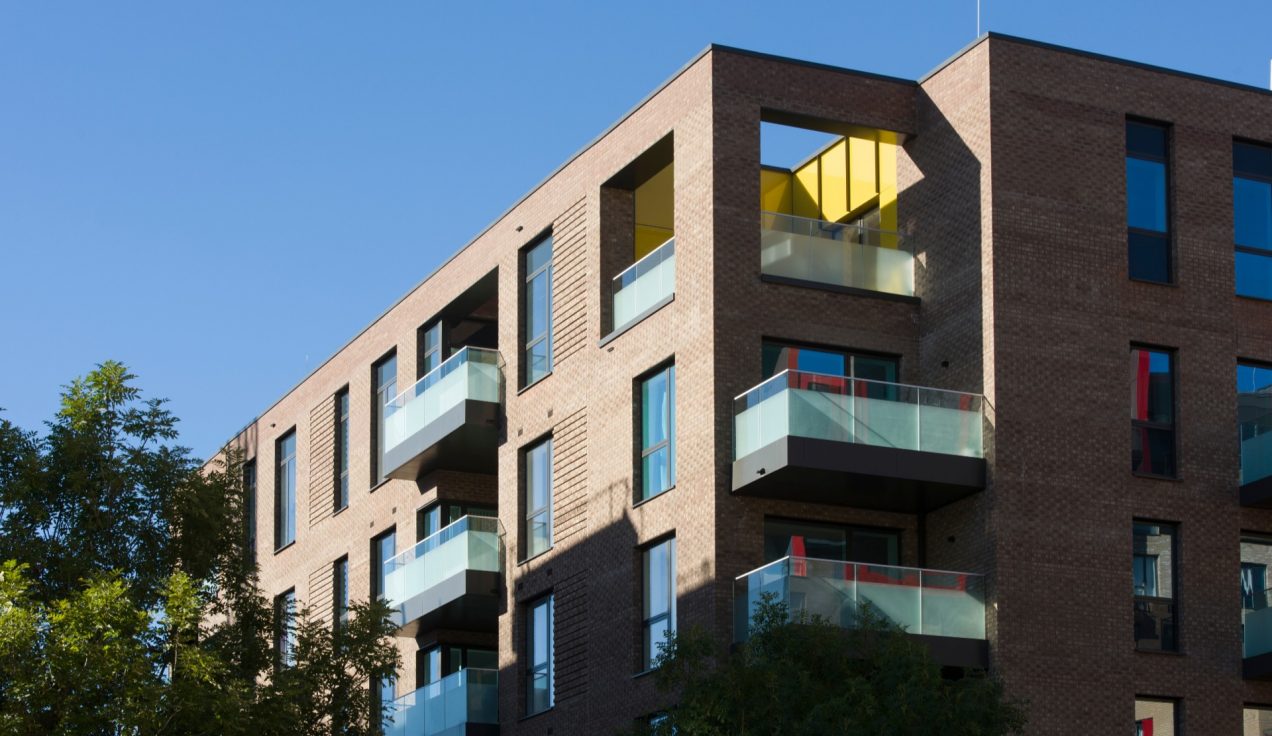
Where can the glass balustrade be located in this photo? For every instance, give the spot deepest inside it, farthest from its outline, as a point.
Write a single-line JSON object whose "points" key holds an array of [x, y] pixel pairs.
{"points": [[644, 284], [471, 543], [469, 696], [1254, 413], [835, 253], [472, 374]]}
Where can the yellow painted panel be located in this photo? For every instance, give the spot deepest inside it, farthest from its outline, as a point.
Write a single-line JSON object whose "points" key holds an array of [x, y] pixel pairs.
{"points": [[861, 159], [655, 210], [804, 198], [888, 191], [834, 182], [775, 191]]}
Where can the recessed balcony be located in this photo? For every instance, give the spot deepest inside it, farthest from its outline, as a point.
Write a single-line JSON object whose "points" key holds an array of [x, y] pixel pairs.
{"points": [[849, 441], [644, 286], [1254, 415], [842, 256], [448, 420], [1257, 639], [943, 610], [465, 703], [449, 580]]}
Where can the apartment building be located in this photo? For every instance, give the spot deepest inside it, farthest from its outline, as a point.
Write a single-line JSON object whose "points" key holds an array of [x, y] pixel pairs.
{"points": [[896, 372]]}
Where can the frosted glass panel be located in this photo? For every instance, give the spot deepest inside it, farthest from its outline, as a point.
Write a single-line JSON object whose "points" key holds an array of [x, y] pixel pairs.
{"points": [[472, 374], [472, 543], [467, 696], [644, 284], [839, 254]]}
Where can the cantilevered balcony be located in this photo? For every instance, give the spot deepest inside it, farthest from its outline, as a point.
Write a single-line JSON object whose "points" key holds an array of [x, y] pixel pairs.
{"points": [[449, 580], [944, 610], [645, 285], [448, 420], [844, 256], [1254, 414], [465, 703], [869, 444], [1257, 650]]}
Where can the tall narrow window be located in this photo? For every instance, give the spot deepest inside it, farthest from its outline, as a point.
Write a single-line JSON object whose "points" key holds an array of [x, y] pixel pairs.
{"points": [[538, 502], [249, 506], [1153, 580], [1147, 209], [431, 348], [1254, 418], [383, 548], [1252, 218], [539, 664], [285, 491], [1155, 717], [342, 449], [339, 592], [1152, 412], [285, 629], [537, 312], [658, 432], [659, 615], [384, 375]]}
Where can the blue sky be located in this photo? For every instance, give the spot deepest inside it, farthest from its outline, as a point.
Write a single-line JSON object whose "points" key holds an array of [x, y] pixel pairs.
{"points": [[170, 172]]}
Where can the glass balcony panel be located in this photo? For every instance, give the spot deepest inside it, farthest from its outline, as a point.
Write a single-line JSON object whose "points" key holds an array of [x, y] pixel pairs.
{"points": [[472, 374], [803, 404], [467, 696], [839, 254], [1257, 625], [471, 543], [931, 602], [1254, 412], [644, 284]]}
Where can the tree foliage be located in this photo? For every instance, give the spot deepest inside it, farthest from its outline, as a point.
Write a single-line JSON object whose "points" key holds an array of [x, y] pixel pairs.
{"points": [[810, 677], [129, 602]]}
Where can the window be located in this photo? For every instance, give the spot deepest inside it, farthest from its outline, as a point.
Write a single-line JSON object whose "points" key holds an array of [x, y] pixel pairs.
{"points": [[823, 541], [1153, 576], [383, 549], [249, 506], [1152, 412], [658, 433], [659, 613], [538, 501], [285, 629], [384, 378], [1258, 720], [440, 661], [1147, 210], [1254, 418], [537, 315], [539, 664], [387, 690], [431, 519], [1155, 717], [779, 356], [432, 348], [339, 592], [342, 449], [1252, 218], [285, 491], [1256, 555]]}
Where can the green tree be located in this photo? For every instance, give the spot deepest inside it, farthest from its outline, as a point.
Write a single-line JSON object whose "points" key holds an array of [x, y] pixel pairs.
{"points": [[129, 601], [811, 677]]}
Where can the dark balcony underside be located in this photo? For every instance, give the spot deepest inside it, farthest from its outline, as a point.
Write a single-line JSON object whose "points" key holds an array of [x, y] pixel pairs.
{"points": [[466, 438], [861, 476], [468, 601], [1258, 667], [1257, 494], [949, 651]]}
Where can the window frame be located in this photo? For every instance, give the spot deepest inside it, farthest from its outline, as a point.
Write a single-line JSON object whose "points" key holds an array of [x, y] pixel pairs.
{"points": [[340, 592], [249, 506], [529, 341], [377, 576], [379, 400], [1173, 427], [547, 668], [649, 647], [439, 350], [1174, 646], [668, 442], [341, 499], [285, 490], [285, 629], [528, 514], [1166, 236], [1265, 253]]}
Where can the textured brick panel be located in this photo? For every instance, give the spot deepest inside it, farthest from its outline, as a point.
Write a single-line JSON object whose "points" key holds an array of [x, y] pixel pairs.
{"points": [[322, 461], [570, 281], [569, 474]]}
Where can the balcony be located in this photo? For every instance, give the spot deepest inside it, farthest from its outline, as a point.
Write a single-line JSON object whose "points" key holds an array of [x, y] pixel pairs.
{"points": [[1256, 654], [1254, 414], [448, 420], [449, 580], [848, 441], [464, 703], [843, 256], [644, 286], [943, 610]]}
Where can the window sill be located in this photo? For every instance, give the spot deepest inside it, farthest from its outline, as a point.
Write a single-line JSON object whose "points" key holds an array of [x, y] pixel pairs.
{"points": [[644, 673], [538, 381], [1161, 652], [852, 290], [378, 486], [636, 320], [340, 510], [535, 557], [1153, 476], [285, 546], [659, 494], [536, 715], [1174, 284]]}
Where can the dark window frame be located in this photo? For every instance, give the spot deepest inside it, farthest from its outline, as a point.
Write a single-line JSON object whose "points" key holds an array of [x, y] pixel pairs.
{"points": [[340, 592], [528, 341], [285, 629], [1145, 602], [530, 670], [249, 506], [667, 366], [1173, 426], [378, 564], [523, 493], [284, 507], [1167, 237], [851, 528], [378, 389], [1253, 176], [341, 495], [646, 623]]}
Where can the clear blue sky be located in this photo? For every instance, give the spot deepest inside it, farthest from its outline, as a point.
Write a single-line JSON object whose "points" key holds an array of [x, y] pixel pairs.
{"points": [[170, 170]]}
